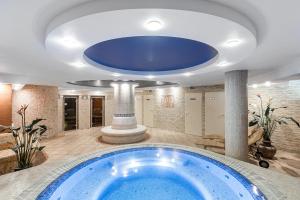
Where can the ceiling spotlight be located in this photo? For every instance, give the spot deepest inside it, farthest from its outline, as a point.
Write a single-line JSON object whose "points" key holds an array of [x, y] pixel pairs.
{"points": [[223, 64], [116, 74], [187, 74], [150, 77], [69, 42], [153, 25], [78, 64], [233, 42], [268, 83]]}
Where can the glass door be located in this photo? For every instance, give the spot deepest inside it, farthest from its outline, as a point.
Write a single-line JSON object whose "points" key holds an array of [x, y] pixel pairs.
{"points": [[70, 112], [97, 111]]}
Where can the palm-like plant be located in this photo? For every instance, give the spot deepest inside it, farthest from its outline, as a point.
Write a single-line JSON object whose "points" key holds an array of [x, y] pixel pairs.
{"points": [[264, 116], [27, 139]]}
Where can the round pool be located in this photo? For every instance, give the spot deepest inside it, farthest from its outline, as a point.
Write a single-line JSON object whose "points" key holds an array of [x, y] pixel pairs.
{"points": [[151, 173]]}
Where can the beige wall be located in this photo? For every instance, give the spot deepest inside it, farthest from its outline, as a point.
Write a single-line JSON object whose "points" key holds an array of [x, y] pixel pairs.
{"points": [[109, 110], [84, 112], [45, 102], [169, 118], [42, 102], [174, 118], [286, 137], [284, 94]]}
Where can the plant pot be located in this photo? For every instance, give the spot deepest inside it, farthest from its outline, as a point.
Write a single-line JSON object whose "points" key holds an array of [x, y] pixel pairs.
{"points": [[267, 149]]}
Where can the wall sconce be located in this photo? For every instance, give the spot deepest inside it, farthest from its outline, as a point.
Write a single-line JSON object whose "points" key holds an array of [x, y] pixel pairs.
{"points": [[85, 97], [17, 87]]}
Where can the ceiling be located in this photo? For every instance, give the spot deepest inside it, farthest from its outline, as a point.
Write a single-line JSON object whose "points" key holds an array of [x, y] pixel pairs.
{"points": [[270, 31]]}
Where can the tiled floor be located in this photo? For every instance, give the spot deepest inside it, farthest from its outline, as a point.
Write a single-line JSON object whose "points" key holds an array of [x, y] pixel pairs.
{"points": [[286, 162], [75, 143], [84, 141]]}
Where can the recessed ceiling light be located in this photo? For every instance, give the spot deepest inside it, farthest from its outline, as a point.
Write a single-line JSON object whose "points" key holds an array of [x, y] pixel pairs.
{"points": [[116, 74], [78, 64], [69, 42], [233, 42], [153, 25], [268, 83], [150, 77], [187, 74], [223, 63]]}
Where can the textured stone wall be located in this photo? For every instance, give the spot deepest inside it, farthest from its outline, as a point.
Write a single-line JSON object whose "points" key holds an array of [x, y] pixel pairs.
{"points": [[170, 118], [286, 137], [60, 118], [109, 108], [288, 93], [42, 102], [174, 118], [84, 112]]}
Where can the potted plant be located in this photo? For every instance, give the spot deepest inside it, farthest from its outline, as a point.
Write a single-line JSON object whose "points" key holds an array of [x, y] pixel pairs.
{"points": [[264, 116], [27, 138]]}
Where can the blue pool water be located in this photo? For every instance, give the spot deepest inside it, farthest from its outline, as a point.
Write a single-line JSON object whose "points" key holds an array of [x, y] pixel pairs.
{"points": [[151, 173]]}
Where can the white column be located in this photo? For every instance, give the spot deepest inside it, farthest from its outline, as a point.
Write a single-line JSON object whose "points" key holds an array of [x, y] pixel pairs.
{"points": [[124, 115], [236, 114]]}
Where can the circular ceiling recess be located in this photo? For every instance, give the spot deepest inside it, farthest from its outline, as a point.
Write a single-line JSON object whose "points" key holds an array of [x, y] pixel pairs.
{"points": [[150, 53], [144, 42], [107, 83]]}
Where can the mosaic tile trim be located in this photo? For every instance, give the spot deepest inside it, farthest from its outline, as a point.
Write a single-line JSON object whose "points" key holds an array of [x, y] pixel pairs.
{"points": [[124, 115], [50, 189], [240, 168]]}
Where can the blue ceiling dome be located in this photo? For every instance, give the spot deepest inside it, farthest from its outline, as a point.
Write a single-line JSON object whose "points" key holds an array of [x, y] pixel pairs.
{"points": [[150, 53]]}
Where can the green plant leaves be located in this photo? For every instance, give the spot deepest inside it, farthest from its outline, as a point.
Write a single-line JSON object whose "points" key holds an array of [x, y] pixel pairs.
{"points": [[253, 122], [291, 119], [33, 123], [26, 138], [264, 117], [267, 112]]}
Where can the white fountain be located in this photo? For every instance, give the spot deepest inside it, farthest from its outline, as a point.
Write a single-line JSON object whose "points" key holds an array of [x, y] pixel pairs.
{"points": [[124, 128]]}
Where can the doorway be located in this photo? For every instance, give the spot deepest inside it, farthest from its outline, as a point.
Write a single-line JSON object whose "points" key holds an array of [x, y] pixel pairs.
{"points": [[70, 112], [97, 111], [193, 114], [148, 106], [214, 113]]}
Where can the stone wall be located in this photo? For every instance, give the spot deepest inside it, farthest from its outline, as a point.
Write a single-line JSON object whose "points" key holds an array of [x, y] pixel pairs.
{"points": [[173, 118], [170, 118], [42, 101], [286, 137], [84, 112]]}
